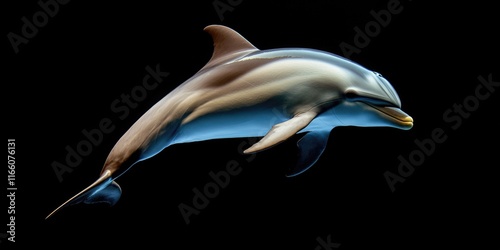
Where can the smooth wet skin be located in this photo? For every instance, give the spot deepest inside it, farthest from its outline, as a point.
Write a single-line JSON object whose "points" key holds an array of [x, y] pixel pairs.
{"points": [[246, 92]]}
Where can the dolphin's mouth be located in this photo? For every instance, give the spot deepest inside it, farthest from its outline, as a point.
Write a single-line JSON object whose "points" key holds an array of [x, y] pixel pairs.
{"points": [[396, 115]]}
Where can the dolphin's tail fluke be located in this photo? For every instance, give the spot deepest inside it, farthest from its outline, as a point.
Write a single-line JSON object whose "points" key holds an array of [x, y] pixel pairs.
{"points": [[103, 190]]}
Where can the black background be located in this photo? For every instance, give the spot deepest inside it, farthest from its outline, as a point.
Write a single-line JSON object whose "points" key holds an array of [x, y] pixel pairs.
{"points": [[65, 78]]}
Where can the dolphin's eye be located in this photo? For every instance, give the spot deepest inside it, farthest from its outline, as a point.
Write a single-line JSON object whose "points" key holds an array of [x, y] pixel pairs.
{"points": [[377, 74]]}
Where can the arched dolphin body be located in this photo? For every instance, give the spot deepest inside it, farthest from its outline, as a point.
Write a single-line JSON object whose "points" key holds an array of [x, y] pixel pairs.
{"points": [[246, 92]]}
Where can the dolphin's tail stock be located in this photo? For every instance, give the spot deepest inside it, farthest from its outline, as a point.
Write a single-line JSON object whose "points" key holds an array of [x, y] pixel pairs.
{"points": [[103, 190]]}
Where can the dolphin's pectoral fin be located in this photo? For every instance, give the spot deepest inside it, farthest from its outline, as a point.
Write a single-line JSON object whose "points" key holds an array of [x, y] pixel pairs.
{"points": [[283, 131], [311, 147], [110, 194]]}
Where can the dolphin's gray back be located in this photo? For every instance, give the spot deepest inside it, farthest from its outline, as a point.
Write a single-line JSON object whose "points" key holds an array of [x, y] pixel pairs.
{"points": [[311, 54]]}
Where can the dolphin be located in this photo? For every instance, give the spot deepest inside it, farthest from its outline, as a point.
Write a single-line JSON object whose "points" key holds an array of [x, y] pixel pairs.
{"points": [[246, 92]]}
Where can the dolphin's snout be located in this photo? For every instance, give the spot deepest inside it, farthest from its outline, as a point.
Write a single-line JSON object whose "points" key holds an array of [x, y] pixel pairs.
{"points": [[397, 116]]}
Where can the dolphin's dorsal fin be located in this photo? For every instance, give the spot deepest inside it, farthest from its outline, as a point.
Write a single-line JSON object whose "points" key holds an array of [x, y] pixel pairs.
{"points": [[227, 44]]}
